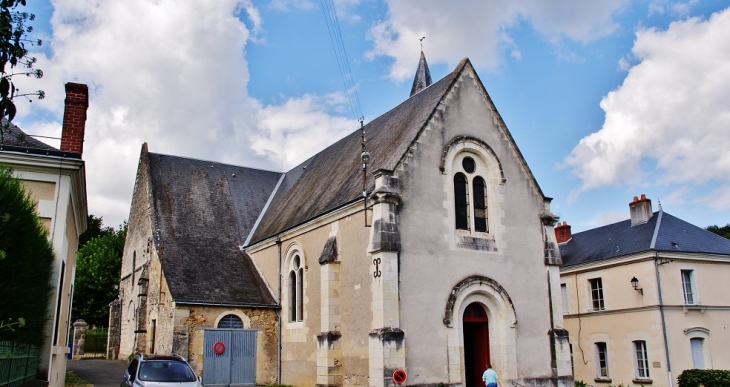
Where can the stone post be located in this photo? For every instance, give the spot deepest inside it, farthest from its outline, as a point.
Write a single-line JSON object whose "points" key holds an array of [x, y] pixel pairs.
{"points": [[79, 338], [386, 340], [113, 336]]}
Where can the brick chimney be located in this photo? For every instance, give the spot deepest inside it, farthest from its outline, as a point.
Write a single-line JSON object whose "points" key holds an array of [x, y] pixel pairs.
{"points": [[74, 117], [640, 210], [562, 232]]}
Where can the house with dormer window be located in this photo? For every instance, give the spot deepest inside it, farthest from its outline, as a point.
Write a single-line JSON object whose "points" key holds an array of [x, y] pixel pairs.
{"points": [[644, 299]]}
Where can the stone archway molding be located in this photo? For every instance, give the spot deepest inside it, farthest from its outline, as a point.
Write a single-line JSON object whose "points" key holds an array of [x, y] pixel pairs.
{"points": [[468, 282]]}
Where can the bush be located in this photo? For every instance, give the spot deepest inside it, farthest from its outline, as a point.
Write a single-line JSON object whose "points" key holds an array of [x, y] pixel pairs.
{"points": [[26, 261], [708, 378]]}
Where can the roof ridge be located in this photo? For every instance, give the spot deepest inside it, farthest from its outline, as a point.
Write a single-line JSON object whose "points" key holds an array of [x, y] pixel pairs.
{"points": [[458, 70], [263, 211], [656, 229], [216, 162]]}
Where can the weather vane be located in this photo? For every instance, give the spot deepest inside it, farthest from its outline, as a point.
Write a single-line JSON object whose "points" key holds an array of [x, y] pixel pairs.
{"points": [[421, 40]]}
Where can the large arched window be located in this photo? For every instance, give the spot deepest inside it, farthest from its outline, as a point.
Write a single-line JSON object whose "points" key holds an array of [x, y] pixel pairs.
{"points": [[296, 289], [471, 211]]}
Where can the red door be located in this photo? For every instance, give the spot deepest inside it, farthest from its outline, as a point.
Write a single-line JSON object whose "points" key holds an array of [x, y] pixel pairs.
{"points": [[476, 344]]}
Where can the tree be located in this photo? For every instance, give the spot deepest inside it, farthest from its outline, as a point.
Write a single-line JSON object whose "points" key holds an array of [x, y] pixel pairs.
{"points": [[14, 30], [98, 265], [721, 231], [26, 264]]}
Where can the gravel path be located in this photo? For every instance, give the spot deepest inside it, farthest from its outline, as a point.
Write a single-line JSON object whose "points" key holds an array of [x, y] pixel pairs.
{"points": [[100, 373]]}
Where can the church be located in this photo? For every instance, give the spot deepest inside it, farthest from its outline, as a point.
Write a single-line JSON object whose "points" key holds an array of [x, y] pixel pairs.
{"points": [[414, 251]]}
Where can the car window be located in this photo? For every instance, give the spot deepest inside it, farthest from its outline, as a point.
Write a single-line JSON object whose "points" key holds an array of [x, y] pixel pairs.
{"points": [[166, 371]]}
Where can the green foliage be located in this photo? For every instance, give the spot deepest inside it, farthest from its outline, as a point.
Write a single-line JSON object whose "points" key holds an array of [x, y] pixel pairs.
{"points": [[708, 378], [723, 231], [98, 265], [27, 264], [14, 30], [580, 383]]}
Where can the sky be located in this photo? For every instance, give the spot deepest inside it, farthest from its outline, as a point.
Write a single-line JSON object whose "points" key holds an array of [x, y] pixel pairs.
{"points": [[606, 100]]}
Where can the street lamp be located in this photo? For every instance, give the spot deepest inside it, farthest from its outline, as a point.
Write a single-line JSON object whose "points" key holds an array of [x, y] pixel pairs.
{"points": [[635, 284]]}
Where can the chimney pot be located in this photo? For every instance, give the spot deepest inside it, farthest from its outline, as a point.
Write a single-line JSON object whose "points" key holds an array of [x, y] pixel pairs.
{"points": [[562, 232], [74, 118], [640, 210]]}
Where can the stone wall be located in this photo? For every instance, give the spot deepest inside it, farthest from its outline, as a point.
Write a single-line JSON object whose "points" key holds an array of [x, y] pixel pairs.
{"points": [[188, 335]]}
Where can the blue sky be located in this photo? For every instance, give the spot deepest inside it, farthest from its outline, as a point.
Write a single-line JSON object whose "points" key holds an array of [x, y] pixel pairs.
{"points": [[606, 100]]}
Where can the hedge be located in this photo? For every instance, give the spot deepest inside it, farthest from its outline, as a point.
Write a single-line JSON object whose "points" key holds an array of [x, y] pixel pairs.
{"points": [[708, 378]]}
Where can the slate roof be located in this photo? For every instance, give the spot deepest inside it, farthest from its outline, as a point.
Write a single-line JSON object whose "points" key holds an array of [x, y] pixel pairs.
{"points": [[203, 212], [620, 239], [333, 177], [14, 136]]}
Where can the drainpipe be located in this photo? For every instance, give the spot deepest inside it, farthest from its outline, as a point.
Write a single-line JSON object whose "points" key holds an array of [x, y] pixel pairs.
{"points": [[661, 311], [278, 319], [553, 355]]}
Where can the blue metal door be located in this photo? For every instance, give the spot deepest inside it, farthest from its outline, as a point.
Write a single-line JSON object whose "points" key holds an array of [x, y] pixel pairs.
{"points": [[229, 357]]}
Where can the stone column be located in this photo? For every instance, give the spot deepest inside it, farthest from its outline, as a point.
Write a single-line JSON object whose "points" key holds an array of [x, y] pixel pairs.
{"points": [[386, 340], [79, 338], [329, 349], [113, 336]]}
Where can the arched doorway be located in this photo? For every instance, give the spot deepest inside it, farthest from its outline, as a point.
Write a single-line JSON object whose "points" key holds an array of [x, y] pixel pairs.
{"points": [[476, 343]]}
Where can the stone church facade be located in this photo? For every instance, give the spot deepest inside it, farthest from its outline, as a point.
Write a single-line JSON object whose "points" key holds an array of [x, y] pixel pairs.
{"points": [[447, 263]]}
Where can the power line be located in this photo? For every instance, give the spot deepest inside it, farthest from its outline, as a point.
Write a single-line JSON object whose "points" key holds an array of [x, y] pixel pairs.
{"points": [[343, 62]]}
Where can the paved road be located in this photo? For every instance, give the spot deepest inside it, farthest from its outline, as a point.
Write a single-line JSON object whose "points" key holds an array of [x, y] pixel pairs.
{"points": [[100, 373]]}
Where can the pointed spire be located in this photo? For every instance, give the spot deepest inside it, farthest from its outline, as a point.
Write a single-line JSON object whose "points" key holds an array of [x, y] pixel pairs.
{"points": [[423, 76]]}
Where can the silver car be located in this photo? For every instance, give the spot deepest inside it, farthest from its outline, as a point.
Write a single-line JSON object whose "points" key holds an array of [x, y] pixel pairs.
{"points": [[159, 371]]}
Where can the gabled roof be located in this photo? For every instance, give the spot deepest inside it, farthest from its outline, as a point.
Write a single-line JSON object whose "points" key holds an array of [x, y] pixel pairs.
{"points": [[203, 212], [620, 239], [333, 177]]}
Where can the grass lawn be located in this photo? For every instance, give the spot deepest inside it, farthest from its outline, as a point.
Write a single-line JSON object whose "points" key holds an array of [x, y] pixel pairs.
{"points": [[74, 381]]}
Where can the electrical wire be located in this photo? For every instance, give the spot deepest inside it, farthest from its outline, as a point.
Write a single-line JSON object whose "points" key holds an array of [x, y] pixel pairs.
{"points": [[343, 62]]}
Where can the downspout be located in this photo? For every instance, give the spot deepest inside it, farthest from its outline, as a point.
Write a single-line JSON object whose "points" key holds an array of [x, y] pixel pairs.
{"points": [[659, 292], [661, 311], [553, 355], [278, 320]]}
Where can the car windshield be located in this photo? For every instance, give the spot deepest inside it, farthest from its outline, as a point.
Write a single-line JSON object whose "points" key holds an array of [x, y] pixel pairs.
{"points": [[165, 371]]}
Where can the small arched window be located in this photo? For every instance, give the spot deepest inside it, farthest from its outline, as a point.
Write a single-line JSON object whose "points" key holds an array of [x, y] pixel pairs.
{"points": [[480, 205], [230, 321], [296, 289], [461, 201]]}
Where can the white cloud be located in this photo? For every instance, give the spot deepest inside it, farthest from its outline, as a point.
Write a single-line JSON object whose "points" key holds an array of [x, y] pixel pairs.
{"points": [[668, 122], [479, 29], [607, 217], [299, 127], [170, 73]]}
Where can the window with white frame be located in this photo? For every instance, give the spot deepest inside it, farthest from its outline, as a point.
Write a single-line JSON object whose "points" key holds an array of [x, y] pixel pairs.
{"points": [[564, 294], [296, 289], [641, 360], [688, 287], [601, 361], [470, 194], [596, 294], [698, 352]]}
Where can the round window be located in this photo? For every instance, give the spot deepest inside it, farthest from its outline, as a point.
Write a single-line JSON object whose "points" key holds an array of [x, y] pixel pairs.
{"points": [[468, 164]]}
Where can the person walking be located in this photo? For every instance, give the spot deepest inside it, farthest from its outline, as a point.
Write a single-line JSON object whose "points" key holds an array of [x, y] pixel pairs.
{"points": [[490, 377]]}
